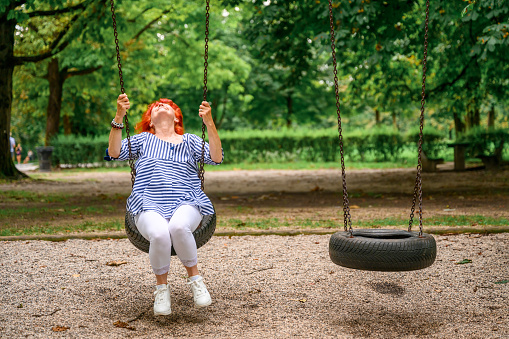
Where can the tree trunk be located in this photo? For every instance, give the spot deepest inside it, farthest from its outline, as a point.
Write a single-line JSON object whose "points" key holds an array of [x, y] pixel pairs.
{"points": [[7, 27], [289, 105], [459, 126], [476, 117], [377, 116], [56, 84], [394, 121], [491, 117], [67, 125]]}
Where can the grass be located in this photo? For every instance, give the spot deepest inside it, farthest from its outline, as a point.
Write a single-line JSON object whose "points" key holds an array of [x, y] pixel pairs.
{"points": [[270, 224], [300, 165], [26, 196], [47, 228]]}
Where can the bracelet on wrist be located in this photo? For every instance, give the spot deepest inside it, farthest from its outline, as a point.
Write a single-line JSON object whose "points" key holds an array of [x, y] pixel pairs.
{"points": [[116, 125]]}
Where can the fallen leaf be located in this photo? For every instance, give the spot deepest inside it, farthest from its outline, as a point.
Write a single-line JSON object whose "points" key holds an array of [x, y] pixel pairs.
{"points": [[116, 263], [122, 324], [59, 328], [354, 206], [301, 300], [75, 275], [464, 261]]}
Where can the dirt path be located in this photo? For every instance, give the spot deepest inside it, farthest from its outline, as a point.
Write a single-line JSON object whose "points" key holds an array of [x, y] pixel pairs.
{"points": [[287, 195]]}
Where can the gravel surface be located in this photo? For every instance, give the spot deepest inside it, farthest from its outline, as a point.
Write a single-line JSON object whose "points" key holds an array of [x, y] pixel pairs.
{"points": [[264, 286]]}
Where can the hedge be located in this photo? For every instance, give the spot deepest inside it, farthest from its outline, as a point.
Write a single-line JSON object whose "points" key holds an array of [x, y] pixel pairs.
{"points": [[378, 144]]}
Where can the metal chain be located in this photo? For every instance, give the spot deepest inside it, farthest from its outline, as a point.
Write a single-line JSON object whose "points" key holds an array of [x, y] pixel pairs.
{"points": [[346, 203], [131, 160], [418, 179], [201, 169]]}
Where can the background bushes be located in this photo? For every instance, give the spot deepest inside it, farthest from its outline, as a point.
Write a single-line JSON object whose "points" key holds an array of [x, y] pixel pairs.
{"points": [[310, 145]]}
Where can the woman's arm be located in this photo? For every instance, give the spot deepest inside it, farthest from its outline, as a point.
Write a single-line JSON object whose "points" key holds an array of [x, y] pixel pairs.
{"points": [[216, 153], [115, 140]]}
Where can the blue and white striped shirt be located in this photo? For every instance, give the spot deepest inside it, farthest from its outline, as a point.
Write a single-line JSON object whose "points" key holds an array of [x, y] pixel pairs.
{"points": [[166, 174]]}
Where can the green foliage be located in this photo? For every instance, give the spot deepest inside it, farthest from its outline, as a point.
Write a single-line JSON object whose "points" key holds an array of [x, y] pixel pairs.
{"points": [[484, 142], [265, 57], [252, 146], [434, 141], [78, 150]]}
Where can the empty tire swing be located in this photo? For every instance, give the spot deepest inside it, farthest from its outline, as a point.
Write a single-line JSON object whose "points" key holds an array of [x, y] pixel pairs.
{"points": [[382, 249]]}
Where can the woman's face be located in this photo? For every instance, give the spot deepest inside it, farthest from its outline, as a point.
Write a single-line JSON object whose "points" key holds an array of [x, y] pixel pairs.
{"points": [[162, 112]]}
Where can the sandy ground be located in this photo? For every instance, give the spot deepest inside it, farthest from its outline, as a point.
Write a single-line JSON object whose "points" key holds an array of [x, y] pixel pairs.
{"points": [[266, 286]]}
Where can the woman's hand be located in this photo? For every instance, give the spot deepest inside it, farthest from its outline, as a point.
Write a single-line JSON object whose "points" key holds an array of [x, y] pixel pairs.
{"points": [[206, 113], [122, 105]]}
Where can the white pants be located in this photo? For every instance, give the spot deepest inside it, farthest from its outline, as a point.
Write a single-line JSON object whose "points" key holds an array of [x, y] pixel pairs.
{"points": [[163, 233]]}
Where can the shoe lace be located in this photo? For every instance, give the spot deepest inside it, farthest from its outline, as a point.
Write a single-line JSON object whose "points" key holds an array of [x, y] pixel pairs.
{"points": [[160, 296], [198, 287]]}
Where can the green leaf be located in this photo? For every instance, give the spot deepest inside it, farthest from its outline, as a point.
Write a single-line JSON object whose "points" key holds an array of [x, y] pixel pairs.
{"points": [[466, 9], [502, 281], [464, 261]]}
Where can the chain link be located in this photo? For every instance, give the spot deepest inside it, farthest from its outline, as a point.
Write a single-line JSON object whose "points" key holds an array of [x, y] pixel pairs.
{"points": [[201, 169], [131, 160], [346, 203], [418, 179]]}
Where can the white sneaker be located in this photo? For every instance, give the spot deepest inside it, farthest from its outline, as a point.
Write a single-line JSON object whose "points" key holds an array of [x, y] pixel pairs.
{"points": [[162, 304], [200, 294]]}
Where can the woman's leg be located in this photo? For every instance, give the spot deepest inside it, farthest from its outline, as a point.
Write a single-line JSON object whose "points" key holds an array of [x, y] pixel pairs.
{"points": [[182, 225], [154, 228]]}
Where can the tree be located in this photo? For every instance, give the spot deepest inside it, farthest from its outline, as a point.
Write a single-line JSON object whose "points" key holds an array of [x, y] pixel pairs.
{"points": [[380, 48], [11, 14]]}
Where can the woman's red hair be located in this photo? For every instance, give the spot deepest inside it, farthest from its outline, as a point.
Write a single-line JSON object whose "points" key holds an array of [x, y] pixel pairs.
{"points": [[144, 124]]}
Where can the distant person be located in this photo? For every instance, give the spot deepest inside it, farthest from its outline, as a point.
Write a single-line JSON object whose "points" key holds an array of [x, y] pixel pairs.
{"points": [[13, 144], [18, 153], [29, 156]]}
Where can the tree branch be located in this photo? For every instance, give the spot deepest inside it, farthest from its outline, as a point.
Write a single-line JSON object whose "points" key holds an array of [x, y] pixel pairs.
{"points": [[142, 12], [81, 5], [450, 83], [82, 72], [150, 24], [52, 51]]}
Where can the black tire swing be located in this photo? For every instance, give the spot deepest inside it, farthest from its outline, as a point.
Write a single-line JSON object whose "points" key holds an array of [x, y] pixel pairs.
{"points": [[382, 249], [208, 224]]}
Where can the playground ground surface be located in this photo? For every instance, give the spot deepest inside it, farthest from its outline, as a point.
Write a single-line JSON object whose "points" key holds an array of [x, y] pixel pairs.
{"points": [[262, 286]]}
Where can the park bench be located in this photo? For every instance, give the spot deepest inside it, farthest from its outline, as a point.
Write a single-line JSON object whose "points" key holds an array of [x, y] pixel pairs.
{"points": [[494, 160], [430, 164]]}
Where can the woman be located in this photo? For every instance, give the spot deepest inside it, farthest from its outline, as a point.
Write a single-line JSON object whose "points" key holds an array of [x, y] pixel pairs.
{"points": [[167, 200], [18, 153]]}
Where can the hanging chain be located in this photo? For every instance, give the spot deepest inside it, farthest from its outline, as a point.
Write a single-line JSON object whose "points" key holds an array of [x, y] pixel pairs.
{"points": [[418, 179], [131, 160], [346, 204], [201, 169]]}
